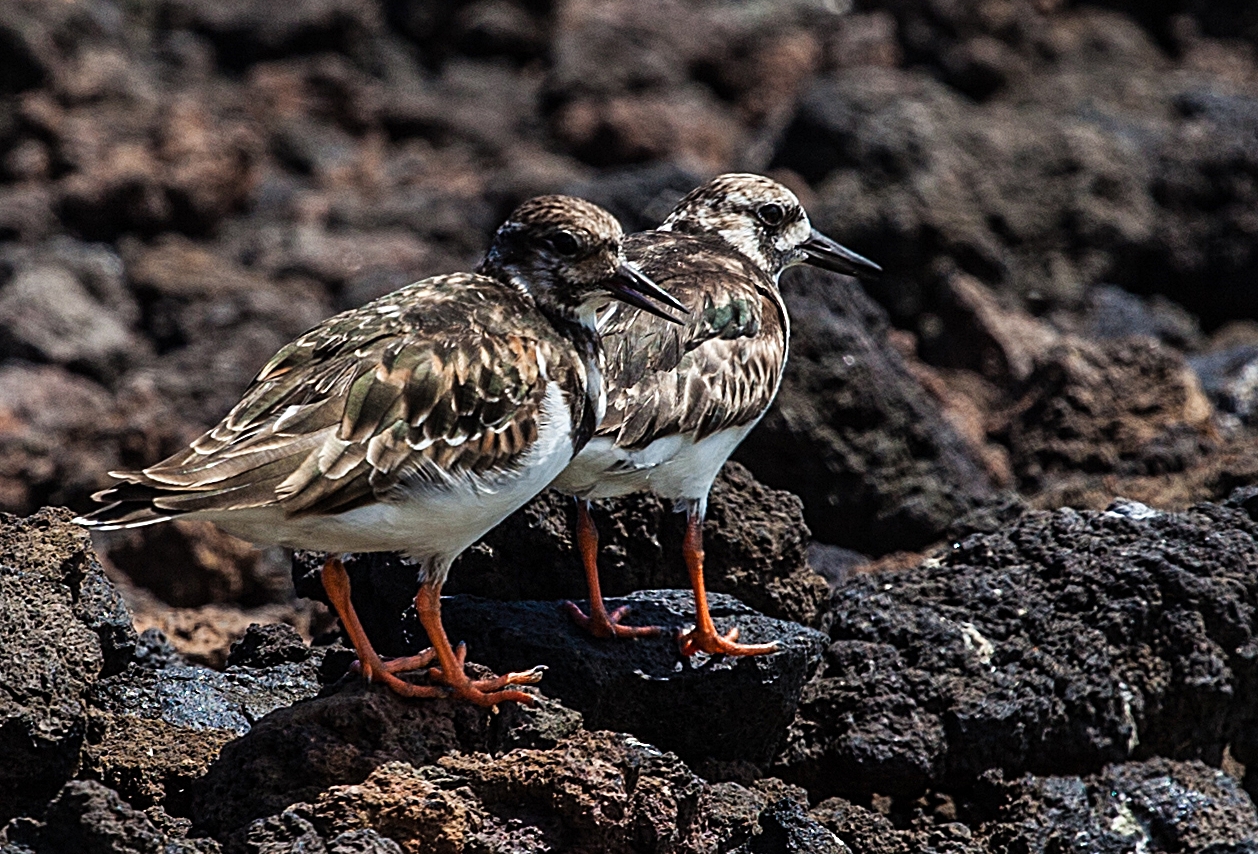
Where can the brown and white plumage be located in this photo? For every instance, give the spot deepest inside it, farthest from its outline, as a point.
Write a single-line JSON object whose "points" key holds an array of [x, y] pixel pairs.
{"points": [[681, 398], [440, 380], [416, 422]]}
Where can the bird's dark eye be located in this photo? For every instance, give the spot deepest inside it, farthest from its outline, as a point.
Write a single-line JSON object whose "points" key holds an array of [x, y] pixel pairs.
{"points": [[565, 243], [771, 214]]}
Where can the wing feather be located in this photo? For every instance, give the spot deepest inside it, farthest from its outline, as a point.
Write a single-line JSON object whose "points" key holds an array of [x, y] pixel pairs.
{"points": [[416, 387], [720, 369]]}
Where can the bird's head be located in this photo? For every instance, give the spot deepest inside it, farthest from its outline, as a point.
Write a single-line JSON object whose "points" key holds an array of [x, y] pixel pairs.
{"points": [[567, 254], [764, 221]]}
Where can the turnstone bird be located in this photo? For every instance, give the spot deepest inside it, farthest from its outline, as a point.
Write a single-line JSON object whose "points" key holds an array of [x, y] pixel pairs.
{"points": [[414, 423], [681, 398]]}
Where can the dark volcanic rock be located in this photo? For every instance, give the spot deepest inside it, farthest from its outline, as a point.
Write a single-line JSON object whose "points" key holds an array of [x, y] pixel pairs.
{"points": [[1130, 406], [63, 625], [1154, 806], [1062, 642], [723, 708], [64, 432], [854, 434], [1083, 153], [267, 646], [89, 818], [156, 726], [200, 698], [65, 303], [295, 753], [1159, 805], [592, 791]]}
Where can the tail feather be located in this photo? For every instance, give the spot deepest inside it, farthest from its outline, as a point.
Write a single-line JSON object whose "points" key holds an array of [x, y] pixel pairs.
{"points": [[128, 513]]}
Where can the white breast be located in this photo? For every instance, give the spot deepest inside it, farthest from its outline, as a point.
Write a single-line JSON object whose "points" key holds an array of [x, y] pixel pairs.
{"points": [[673, 467], [431, 523]]}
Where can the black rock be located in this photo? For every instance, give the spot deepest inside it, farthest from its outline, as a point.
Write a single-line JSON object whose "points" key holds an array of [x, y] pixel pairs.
{"points": [[785, 828], [266, 645], [854, 434], [90, 818], [289, 831], [297, 752], [1154, 806], [722, 708], [62, 624], [198, 698], [1057, 645], [1157, 805]]}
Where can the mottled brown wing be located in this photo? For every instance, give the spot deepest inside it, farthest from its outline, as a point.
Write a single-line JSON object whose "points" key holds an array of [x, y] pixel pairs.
{"points": [[422, 385], [719, 369]]}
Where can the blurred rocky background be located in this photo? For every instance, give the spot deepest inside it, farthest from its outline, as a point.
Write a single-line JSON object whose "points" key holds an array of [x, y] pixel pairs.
{"points": [[1064, 196]]}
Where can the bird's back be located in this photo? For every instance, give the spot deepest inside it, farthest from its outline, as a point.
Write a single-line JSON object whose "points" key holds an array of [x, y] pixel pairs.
{"points": [[442, 380], [719, 370]]}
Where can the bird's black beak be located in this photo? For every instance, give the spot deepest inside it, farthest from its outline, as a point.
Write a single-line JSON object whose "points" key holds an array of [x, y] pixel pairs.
{"points": [[632, 286], [821, 251]]}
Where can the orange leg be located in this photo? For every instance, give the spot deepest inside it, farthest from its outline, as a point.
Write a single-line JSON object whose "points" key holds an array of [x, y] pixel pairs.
{"points": [[703, 637], [336, 583], [483, 692], [599, 623]]}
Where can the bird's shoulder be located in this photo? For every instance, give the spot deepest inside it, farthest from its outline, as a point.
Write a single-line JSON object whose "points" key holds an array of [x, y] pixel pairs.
{"points": [[720, 368], [725, 295]]}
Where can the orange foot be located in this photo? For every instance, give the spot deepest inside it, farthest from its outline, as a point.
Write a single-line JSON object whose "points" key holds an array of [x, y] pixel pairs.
{"points": [[713, 644], [604, 625], [484, 692], [398, 665]]}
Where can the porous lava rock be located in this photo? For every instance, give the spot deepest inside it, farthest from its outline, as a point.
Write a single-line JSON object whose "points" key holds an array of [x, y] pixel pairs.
{"points": [[1156, 806], [1062, 642], [854, 434], [733, 708], [64, 627], [590, 791], [88, 817], [1129, 406]]}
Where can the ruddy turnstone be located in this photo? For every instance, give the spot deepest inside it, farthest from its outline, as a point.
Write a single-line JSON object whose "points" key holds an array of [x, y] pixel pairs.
{"points": [[681, 398], [414, 423]]}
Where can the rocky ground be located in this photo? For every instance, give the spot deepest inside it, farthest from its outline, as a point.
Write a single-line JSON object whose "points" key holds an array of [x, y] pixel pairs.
{"points": [[1000, 517]]}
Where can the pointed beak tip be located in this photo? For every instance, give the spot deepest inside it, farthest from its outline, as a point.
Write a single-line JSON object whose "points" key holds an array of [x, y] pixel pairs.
{"points": [[821, 251], [640, 291]]}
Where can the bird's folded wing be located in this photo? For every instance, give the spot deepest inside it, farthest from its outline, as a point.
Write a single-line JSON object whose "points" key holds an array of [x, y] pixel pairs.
{"points": [[341, 417], [717, 370]]}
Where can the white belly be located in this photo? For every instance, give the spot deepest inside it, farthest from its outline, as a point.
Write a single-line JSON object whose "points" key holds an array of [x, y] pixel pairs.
{"points": [[430, 523], [674, 467]]}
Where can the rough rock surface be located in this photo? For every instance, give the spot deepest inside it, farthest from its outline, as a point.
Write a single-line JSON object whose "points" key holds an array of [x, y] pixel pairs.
{"points": [[591, 791], [1060, 643], [1158, 805], [64, 626], [86, 816], [740, 707], [1055, 146], [186, 185], [854, 434], [1129, 406]]}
